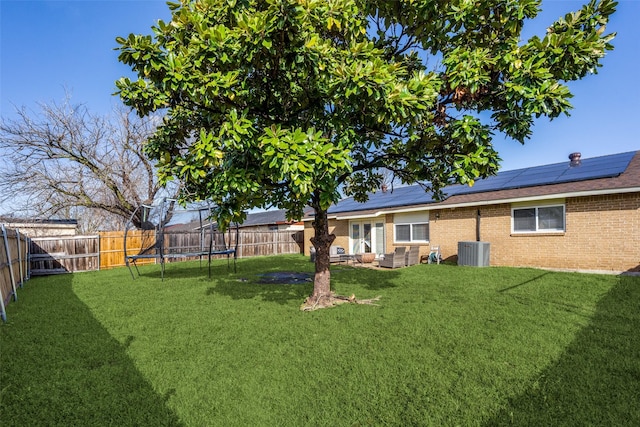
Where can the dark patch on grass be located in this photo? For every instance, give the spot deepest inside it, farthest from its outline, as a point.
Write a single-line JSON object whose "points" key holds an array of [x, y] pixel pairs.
{"points": [[128, 341], [169, 394], [282, 294], [285, 278]]}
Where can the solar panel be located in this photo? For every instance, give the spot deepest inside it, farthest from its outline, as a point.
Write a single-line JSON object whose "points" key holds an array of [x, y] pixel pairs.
{"points": [[592, 168], [492, 182], [400, 196], [598, 167]]}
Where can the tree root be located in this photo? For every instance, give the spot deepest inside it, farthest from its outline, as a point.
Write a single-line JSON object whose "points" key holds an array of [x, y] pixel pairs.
{"points": [[331, 300]]}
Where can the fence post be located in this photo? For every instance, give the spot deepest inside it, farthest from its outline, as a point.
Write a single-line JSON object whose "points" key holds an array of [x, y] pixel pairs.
{"points": [[27, 241], [20, 269], [3, 313], [9, 261]]}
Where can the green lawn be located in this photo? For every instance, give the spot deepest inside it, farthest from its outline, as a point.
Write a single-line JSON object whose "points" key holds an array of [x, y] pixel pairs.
{"points": [[446, 346]]}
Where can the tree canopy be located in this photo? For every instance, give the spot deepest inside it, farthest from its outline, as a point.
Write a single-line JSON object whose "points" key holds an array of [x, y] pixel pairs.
{"points": [[288, 103]]}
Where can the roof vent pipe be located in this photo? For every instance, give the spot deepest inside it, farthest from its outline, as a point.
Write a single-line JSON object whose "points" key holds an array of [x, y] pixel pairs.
{"points": [[574, 159]]}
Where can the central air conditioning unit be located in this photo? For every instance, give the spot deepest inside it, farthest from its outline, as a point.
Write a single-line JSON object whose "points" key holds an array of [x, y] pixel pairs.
{"points": [[475, 254]]}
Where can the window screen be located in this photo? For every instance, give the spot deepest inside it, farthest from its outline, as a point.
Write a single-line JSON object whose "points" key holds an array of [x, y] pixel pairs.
{"points": [[538, 219], [403, 233]]}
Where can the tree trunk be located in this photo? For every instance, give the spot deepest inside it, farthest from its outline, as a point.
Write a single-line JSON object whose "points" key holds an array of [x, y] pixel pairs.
{"points": [[322, 243], [322, 296]]}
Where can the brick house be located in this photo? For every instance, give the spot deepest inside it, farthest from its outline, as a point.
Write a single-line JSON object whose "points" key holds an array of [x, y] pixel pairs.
{"points": [[578, 215]]}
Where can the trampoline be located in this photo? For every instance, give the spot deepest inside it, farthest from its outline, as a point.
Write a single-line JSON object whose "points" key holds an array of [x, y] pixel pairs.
{"points": [[156, 240]]}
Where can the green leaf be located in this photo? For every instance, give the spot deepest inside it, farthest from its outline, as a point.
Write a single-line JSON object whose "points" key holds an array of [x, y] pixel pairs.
{"points": [[267, 103]]}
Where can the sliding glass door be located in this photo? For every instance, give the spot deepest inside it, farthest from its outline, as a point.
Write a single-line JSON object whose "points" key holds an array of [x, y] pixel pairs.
{"points": [[366, 236]]}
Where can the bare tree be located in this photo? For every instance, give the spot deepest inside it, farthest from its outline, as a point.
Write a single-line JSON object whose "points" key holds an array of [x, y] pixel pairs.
{"points": [[64, 159]]}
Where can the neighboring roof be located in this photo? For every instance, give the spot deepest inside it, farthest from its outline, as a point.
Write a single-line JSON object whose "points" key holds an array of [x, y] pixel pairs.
{"points": [[266, 218], [189, 226], [253, 219], [13, 220], [605, 173]]}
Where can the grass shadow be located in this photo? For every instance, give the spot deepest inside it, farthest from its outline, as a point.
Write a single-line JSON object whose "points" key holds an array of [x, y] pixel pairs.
{"points": [[60, 366], [244, 289], [184, 269], [246, 283], [373, 279], [526, 282], [596, 380]]}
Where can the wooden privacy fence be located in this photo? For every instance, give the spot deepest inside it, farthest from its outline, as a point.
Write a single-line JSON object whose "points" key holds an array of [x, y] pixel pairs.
{"points": [[112, 247], [53, 255], [14, 265], [251, 243], [64, 254], [258, 243], [21, 257]]}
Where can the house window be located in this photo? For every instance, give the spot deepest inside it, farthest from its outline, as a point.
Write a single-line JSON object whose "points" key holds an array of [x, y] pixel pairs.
{"points": [[411, 228], [538, 219]]}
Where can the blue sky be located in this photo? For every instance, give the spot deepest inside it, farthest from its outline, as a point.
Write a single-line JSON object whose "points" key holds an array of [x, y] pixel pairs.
{"points": [[47, 47]]}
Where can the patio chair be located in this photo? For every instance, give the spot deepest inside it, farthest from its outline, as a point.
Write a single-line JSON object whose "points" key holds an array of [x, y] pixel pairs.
{"points": [[395, 259], [413, 256], [336, 253]]}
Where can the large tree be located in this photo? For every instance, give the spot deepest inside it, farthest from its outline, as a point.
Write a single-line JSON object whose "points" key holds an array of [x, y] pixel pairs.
{"points": [[288, 103], [63, 160]]}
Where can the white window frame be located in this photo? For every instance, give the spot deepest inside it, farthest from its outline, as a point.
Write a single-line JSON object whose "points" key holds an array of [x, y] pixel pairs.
{"points": [[538, 230], [411, 221], [375, 242]]}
